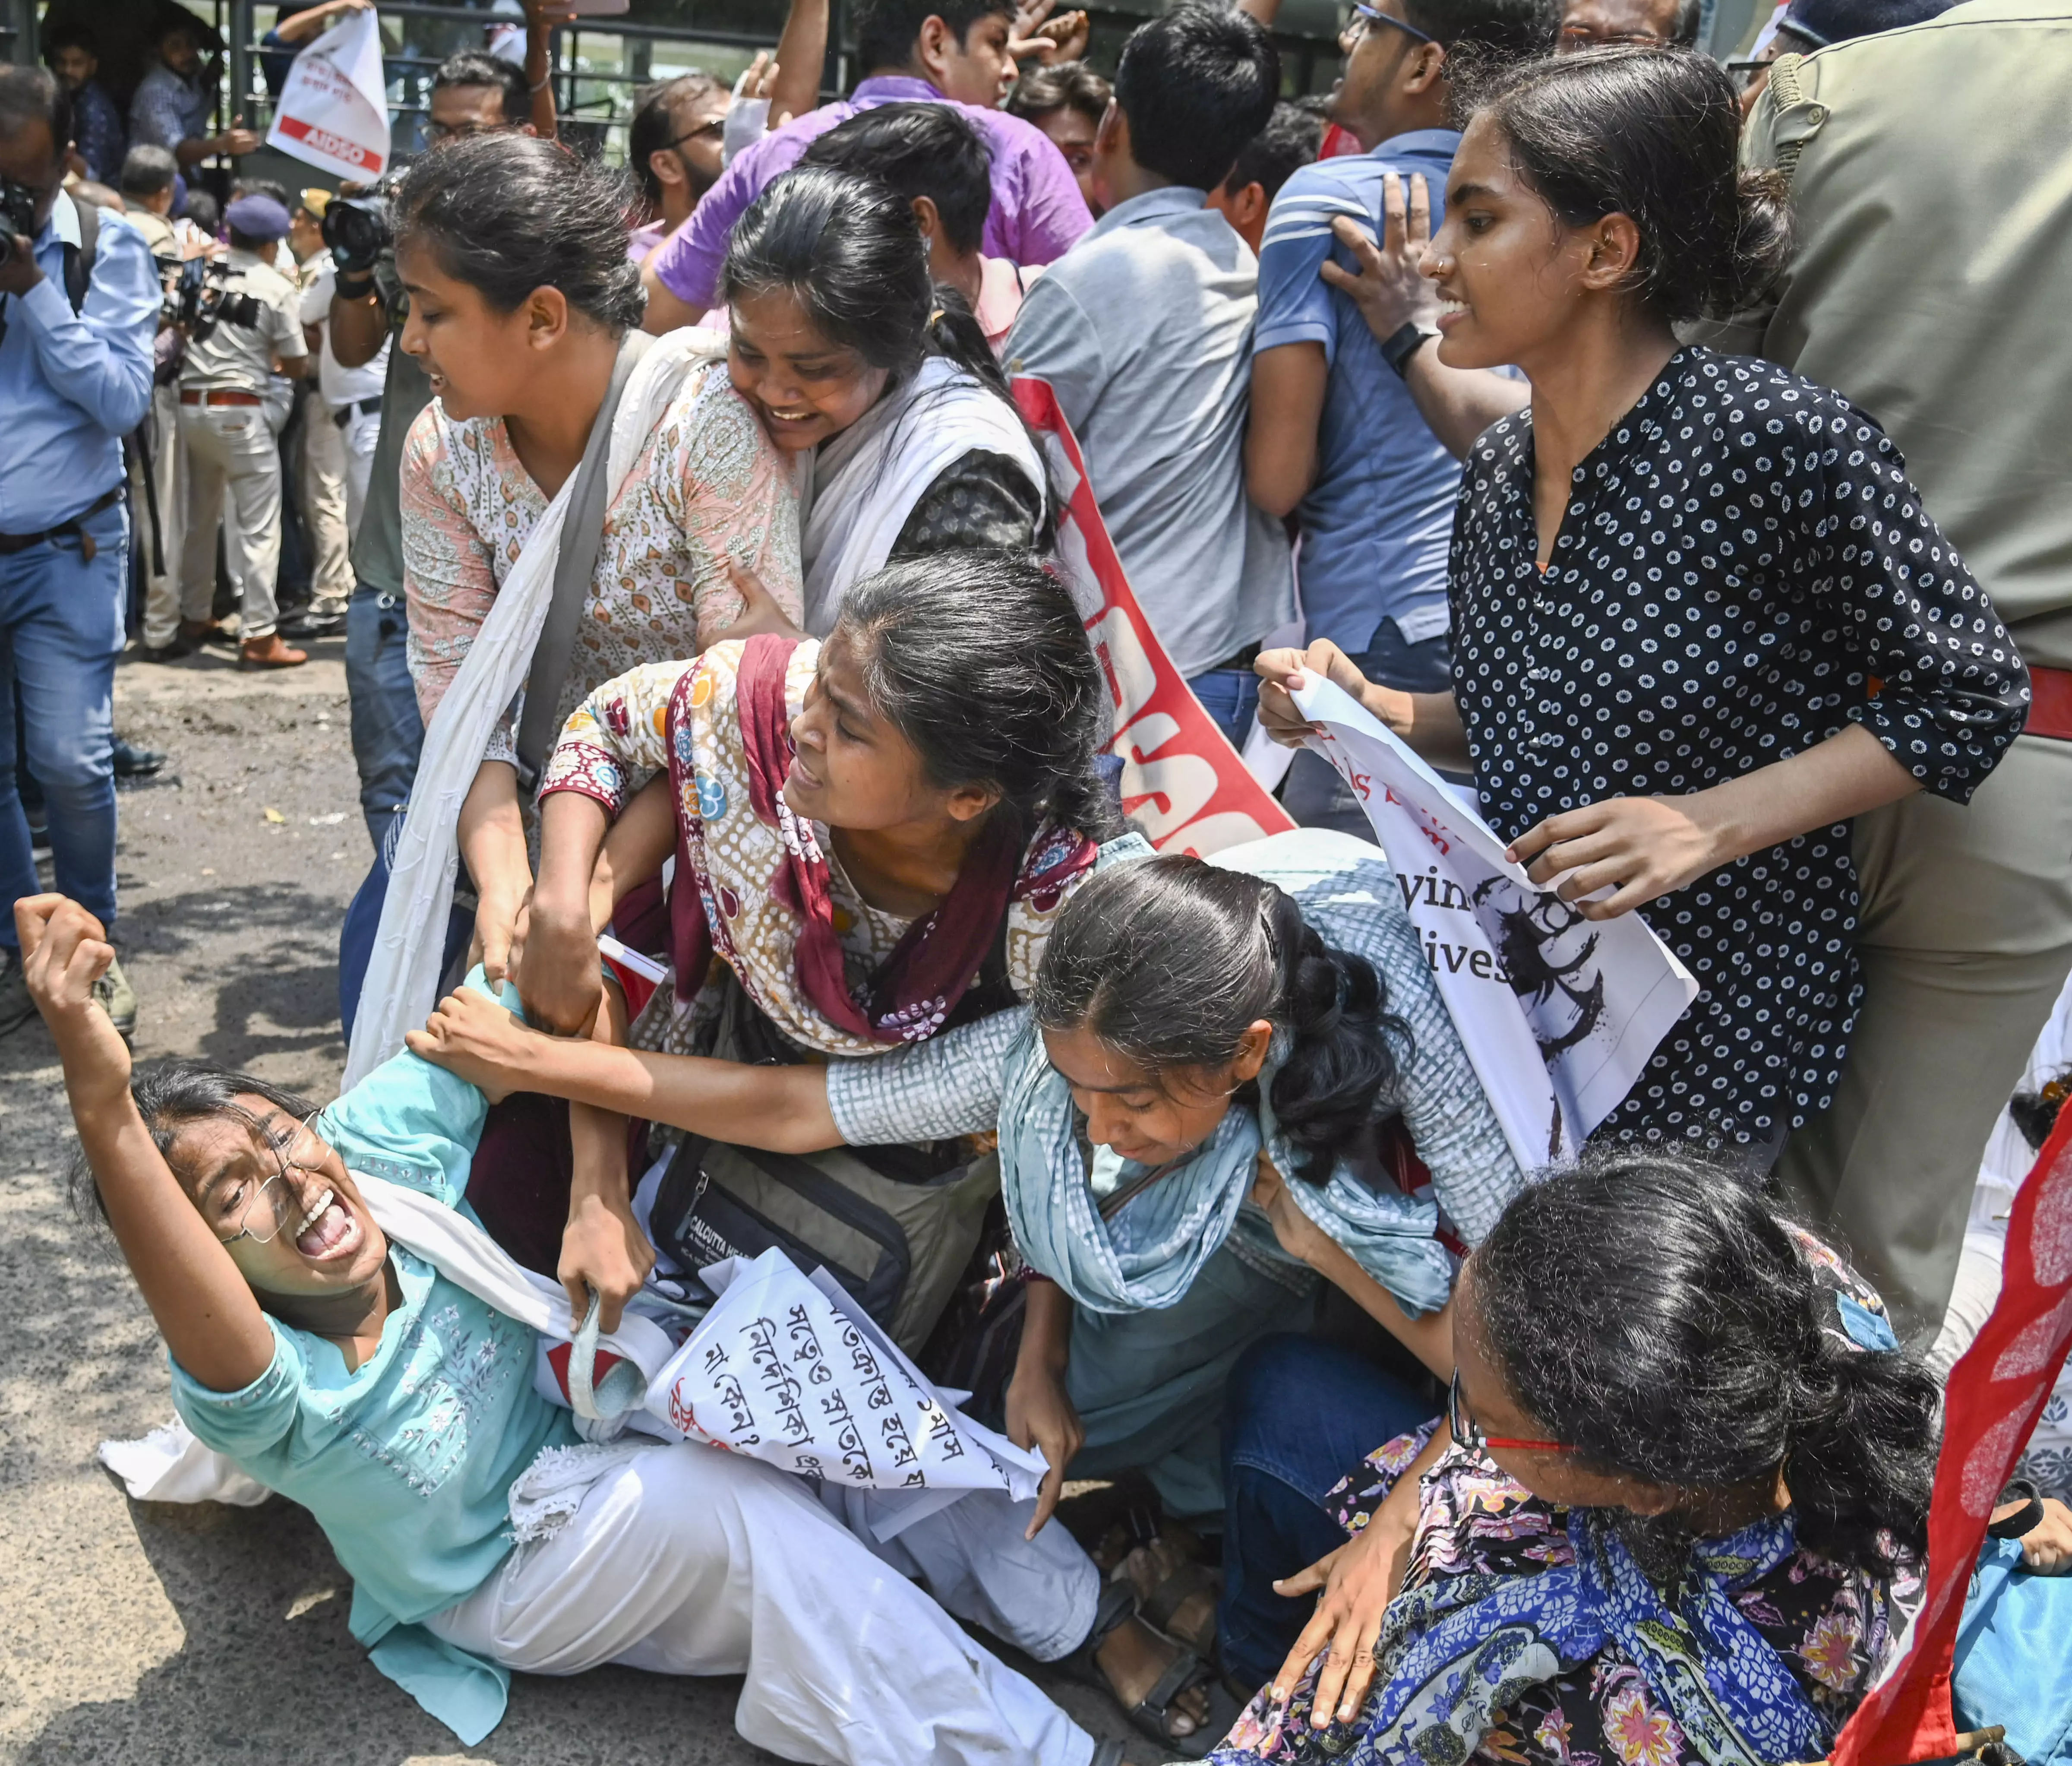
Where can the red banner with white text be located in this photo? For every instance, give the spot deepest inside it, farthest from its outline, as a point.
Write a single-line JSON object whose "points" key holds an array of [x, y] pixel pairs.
{"points": [[1182, 782], [1995, 1394]]}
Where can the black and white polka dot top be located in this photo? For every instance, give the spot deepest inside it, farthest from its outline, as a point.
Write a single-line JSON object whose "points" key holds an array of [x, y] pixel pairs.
{"points": [[1742, 569]]}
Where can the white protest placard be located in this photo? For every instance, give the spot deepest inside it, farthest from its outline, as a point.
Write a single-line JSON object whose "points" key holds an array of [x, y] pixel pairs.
{"points": [[791, 1371], [334, 109], [1559, 1014]]}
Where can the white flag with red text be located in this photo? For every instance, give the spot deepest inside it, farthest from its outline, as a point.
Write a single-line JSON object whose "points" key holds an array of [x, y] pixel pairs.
{"points": [[1185, 786], [334, 109]]}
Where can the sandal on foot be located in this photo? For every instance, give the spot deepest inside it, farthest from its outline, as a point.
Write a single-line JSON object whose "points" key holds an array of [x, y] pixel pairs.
{"points": [[1154, 1712], [1174, 1593]]}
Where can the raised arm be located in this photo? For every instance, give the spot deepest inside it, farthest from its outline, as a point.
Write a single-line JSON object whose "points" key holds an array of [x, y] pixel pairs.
{"points": [[802, 51], [206, 1312], [1457, 403]]}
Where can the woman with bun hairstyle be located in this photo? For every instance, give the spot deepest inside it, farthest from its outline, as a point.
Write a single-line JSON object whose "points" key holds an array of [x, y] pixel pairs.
{"points": [[879, 380], [1700, 618], [1676, 1509]]}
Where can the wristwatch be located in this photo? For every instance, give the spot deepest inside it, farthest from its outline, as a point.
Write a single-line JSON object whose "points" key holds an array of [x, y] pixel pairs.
{"points": [[1404, 342]]}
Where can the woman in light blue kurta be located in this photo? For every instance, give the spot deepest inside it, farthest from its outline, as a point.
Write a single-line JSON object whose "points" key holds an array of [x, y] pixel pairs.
{"points": [[347, 1373]]}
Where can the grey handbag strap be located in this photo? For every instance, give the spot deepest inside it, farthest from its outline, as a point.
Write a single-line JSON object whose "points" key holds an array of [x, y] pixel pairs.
{"points": [[582, 536]]}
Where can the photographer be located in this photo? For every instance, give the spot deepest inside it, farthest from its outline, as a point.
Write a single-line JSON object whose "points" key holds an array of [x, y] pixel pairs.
{"points": [[471, 94], [79, 303], [244, 318]]}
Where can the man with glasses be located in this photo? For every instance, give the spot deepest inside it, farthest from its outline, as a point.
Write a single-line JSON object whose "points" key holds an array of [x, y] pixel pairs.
{"points": [[673, 147], [1336, 438], [1612, 24]]}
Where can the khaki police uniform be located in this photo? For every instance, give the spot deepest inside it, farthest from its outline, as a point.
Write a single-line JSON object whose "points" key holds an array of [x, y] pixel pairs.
{"points": [[165, 464], [231, 415], [1931, 188]]}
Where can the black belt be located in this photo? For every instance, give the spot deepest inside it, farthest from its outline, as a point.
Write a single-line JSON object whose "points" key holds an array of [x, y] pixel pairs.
{"points": [[342, 415], [1244, 659], [21, 542]]}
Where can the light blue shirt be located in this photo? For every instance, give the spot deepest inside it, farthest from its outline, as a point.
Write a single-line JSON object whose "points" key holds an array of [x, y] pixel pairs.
{"points": [[1377, 524], [73, 384], [407, 1461]]}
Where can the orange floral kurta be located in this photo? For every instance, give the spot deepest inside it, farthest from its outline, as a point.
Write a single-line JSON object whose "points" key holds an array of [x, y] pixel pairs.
{"points": [[709, 487]]}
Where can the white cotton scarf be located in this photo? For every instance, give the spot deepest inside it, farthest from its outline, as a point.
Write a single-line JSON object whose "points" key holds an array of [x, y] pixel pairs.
{"points": [[864, 482], [402, 980]]}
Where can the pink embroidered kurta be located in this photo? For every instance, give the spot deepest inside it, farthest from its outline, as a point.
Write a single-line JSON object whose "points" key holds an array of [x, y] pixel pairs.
{"points": [[709, 487]]}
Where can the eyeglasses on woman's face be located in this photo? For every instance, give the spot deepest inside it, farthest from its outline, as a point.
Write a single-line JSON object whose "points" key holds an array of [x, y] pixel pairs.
{"points": [[1363, 20], [260, 1212], [1468, 1432]]}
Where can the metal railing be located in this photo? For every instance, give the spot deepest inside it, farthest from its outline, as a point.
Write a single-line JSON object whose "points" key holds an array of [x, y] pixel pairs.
{"points": [[598, 68]]}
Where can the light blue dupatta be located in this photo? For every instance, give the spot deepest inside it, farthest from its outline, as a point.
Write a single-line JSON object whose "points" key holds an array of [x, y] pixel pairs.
{"points": [[1147, 1255]]}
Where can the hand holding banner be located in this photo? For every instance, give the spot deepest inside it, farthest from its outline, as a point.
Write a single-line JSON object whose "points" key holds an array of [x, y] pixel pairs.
{"points": [[1559, 1014], [334, 109]]}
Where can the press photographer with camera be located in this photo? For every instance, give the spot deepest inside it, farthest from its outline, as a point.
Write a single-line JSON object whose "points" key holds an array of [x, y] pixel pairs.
{"points": [[471, 94], [79, 303], [241, 317]]}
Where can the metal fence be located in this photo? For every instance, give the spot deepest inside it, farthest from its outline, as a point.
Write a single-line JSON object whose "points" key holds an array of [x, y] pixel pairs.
{"points": [[599, 66]]}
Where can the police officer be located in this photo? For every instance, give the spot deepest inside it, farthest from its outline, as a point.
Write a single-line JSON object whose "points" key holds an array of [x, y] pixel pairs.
{"points": [[230, 425]]}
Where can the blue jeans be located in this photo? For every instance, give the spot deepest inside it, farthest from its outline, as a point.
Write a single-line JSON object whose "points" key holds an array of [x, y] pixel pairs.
{"points": [[60, 633], [1314, 794], [387, 732], [1230, 696], [1299, 1415], [363, 924]]}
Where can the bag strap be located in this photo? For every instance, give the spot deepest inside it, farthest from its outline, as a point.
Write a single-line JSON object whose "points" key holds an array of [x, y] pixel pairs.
{"points": [[582, 537], [79, 263]]}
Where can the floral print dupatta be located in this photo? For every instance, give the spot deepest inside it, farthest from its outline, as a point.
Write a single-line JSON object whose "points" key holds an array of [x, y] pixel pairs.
{"points": [[760, 898]]}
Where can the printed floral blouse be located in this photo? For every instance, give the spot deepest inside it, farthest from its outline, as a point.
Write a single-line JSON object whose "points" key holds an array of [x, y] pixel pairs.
{"points": [[709, 487], [1830, 1626]]}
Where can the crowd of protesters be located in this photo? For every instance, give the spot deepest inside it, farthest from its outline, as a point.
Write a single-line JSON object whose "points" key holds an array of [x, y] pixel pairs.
{"points": [[1667, 452]]}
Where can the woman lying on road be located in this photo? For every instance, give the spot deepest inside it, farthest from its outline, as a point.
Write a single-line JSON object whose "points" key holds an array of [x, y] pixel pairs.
{"points": [[349, 1375]]}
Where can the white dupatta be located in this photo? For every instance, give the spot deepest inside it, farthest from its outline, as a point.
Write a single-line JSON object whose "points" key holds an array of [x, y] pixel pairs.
{"points": [[866, 480], [402, 980]]}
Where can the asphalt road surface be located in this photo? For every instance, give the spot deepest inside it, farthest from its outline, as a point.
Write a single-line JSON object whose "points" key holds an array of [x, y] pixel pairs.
{"points": [[166, 1634]]}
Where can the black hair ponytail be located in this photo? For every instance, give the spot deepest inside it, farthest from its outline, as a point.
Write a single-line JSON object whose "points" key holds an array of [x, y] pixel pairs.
{"points": [[1170, 961], [1652, 1312], [1335, 1007]]}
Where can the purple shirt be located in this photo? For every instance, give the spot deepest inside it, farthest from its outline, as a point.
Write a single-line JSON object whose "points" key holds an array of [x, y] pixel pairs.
{"points": [[1037, 213]]}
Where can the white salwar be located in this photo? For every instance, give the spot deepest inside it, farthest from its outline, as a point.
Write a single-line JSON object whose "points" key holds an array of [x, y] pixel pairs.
{"points": [[684, 1560], [864, 482]]}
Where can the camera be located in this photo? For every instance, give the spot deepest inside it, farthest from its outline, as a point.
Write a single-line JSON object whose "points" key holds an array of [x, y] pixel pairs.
{"points": [[18, 214], [358, 229], [198, 302]]}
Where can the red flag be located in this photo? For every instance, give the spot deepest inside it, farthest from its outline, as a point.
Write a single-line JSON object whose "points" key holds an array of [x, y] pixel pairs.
{"points": [[1182, 782], [1995, 1394]]}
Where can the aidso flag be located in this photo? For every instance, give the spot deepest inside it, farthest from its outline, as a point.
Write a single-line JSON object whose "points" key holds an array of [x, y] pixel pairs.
{"points": [[1559, 1014], [334, 109]]}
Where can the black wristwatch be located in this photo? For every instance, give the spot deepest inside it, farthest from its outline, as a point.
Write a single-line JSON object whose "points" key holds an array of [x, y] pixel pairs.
{"points": [[2025, 1519], [1404, 342]]}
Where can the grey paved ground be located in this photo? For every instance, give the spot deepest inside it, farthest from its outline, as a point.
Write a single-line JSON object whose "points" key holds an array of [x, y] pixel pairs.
{"points": [[159, 1633]]}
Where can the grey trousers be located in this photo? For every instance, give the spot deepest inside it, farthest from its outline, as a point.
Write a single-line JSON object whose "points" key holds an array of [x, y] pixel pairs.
{"points": [[1964, 939]]}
